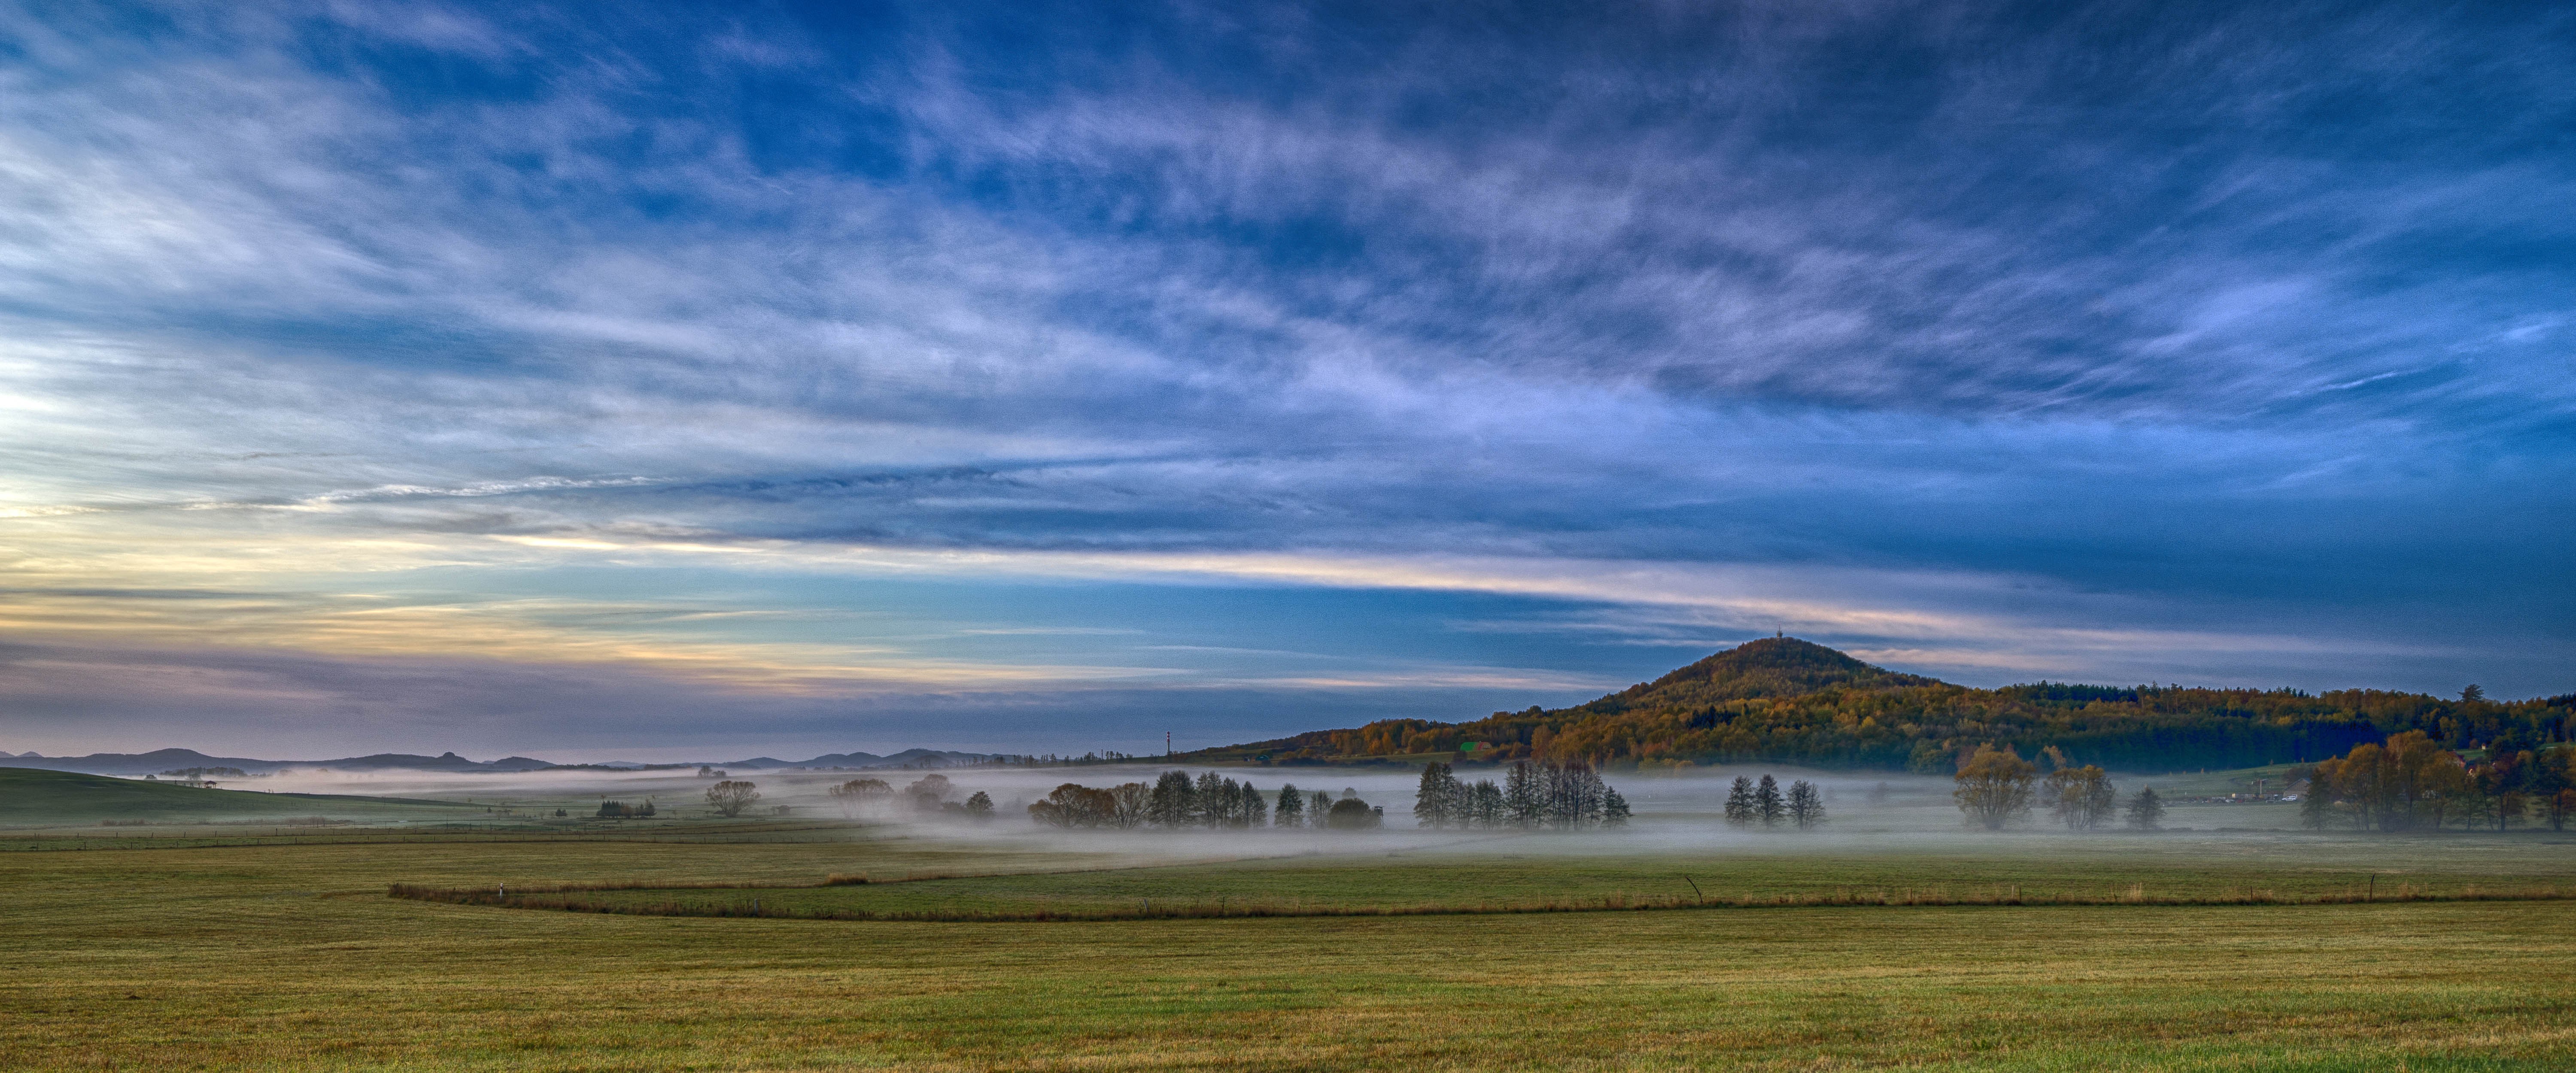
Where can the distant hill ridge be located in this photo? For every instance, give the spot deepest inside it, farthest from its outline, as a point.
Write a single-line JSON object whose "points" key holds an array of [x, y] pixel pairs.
{"points": [[1788, 700], [31, 796], [1770, 667]]}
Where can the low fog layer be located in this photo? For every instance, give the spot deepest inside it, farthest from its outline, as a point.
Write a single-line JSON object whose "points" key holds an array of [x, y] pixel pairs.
{"points": [[1865, 811]]}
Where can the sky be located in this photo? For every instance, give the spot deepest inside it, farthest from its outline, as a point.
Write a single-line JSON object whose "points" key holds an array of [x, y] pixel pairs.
{"points": [[693, 381]]}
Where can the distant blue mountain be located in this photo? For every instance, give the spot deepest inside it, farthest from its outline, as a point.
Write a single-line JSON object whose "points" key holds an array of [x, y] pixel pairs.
{"points": [[160, 760], [917, 758]]}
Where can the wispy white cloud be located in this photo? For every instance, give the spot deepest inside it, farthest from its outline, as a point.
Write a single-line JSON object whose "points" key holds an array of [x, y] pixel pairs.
{"points": [[1976, 362]]}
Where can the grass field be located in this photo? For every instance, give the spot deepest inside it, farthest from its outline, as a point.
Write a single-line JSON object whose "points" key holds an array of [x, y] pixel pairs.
{"points": [[289, 955]]}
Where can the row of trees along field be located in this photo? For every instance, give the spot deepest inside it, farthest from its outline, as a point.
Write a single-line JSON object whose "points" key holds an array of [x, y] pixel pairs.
{"points": [[1997, 787], [1562, 797], [1789, 701], [2411, 782], [928, 795], [1751, 804], [1176, 801]]}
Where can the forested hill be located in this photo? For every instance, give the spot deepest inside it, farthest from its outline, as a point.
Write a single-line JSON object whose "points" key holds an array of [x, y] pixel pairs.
{"points": [[1792, 701]]}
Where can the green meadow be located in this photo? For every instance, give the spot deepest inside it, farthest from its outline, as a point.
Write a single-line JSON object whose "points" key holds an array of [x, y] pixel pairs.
{"points": [[284, 951]]}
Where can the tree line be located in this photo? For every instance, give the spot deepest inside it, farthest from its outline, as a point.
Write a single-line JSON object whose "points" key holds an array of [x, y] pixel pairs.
{"points": [[2410, 782], [1176, 801], [1996, 787], [929, 795], [1564, 797], [1752, 804]]}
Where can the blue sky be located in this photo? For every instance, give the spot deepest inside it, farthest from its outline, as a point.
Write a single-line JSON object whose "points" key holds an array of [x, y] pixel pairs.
{"points": [[675, 382]]}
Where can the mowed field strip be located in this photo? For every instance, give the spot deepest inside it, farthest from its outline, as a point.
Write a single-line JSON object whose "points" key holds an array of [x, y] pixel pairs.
{"points": [[290, 956], [1484, 876]]}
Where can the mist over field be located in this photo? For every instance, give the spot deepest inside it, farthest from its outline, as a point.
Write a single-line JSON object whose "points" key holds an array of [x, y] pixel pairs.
{"points": [[1673, 812]]}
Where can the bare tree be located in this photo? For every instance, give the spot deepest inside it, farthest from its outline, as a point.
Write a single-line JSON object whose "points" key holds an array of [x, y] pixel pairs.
{"points": [[1486, 807], [1435, 801], [1525, 795], [1250, 808], [1133, 800], [729, 798], [1174, 801], [1215, 799], [1806, 806]]}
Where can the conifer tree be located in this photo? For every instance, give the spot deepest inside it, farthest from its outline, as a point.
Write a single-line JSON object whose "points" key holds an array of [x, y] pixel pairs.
{"points": [[2146, 810], [1767, 804], [1739, 803], [1614, 808], [1291, 811]]}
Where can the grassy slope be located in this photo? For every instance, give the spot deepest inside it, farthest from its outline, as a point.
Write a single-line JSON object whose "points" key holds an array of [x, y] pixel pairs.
{"points": [[290, 957], [29, 796]]}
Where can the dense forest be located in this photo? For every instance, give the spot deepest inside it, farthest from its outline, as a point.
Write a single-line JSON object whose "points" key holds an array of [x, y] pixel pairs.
{"points": [[1791, 701]]}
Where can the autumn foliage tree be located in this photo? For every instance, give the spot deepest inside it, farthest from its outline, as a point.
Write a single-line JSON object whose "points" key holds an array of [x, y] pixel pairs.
{"points": [[2082, 798], [2411, 781], [1994, 787], [1075, 805]]}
